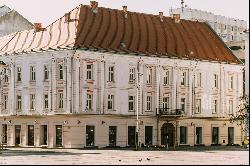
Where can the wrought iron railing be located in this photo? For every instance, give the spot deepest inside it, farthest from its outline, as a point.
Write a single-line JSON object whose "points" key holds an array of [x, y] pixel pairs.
{"points": [[169, 111]]}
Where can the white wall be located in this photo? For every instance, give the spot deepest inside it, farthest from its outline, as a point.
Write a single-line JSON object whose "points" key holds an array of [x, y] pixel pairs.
{"points": [[75, 86]]}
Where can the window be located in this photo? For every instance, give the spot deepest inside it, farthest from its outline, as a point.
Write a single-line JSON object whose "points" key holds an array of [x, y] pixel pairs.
{"points": [[60, 100], [32, 101], [215, 106], [232, 37], [231, 80], [165, 103], [5, 102], [132, 74], [230, 106], [19, 103], [198, 106], [46, 73], [183, 135], [111, 74], [6, 78], [32, 73], [19, 74], [60, 66], [110, 102], [89, 71], [131, 103], [225, 27], [89, 101], [216, 80], [149, 75], [166, 77], [183, 77], [198, 80], [183, 104], [149, 103], [45, 101]]}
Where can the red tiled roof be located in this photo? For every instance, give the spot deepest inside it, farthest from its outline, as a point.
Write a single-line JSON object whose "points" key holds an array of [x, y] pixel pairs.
{"points": [[110, 30], [145, 33]]}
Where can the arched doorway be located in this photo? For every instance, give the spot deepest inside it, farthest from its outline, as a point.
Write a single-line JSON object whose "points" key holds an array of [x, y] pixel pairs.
{"points": [[167, 134]]}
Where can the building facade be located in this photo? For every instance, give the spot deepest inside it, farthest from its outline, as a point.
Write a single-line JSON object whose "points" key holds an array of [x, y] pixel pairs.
{"points": [[80, 82], [11, 21]]}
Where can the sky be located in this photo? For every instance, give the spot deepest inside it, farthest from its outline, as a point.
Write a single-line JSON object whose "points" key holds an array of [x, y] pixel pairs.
{"points": [[47, 11]]}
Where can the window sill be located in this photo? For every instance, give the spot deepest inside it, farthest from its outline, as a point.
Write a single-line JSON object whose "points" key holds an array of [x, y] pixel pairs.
{"points": [[111, 110]]}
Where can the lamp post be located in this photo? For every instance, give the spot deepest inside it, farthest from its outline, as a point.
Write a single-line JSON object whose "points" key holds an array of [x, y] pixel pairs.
{"points": [[138, 87]]}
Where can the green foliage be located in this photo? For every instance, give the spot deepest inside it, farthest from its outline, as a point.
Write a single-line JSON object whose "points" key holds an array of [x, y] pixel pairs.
{"points": [[242, 115]]}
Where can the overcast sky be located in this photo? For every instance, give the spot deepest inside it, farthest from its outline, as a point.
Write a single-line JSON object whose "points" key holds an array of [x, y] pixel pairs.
{"points": [[47, 11]]}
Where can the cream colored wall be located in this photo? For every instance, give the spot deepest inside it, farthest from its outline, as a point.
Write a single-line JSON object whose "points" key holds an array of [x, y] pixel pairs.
{"points": [[74, 133]]}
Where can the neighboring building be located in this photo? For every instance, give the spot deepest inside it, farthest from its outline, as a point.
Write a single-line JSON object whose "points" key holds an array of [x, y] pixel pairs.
{"points": [[229, 29], [80, 81], [11, 21]]}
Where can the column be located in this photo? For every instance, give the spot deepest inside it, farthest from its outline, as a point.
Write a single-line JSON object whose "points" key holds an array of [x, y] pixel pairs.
{"points": [[191, 91], [53, 84], [76, 84], [69, 85], [222, 92]]}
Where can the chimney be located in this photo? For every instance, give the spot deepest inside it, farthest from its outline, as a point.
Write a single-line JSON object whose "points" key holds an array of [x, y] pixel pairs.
{"points": [[161, 16], [38, 27], [67, 17], [125, 11], [177, 18], [94, 6]]}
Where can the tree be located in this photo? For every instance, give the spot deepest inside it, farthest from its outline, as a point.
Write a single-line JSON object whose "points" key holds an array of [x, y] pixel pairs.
{"points": [[242, 115]]}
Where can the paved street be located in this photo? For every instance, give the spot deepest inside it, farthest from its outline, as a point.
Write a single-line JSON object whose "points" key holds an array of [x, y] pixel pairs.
{"points": [[29, 156]]}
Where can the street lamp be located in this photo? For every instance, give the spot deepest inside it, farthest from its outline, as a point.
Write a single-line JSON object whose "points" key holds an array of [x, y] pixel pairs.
{"points": [[138, 86]]}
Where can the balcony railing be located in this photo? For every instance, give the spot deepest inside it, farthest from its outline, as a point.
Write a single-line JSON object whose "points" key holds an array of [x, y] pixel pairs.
{"points": [[169, 111]]}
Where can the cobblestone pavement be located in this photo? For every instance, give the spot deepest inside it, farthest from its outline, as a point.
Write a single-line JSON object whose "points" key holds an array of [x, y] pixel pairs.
{"points": [[28, 156]]}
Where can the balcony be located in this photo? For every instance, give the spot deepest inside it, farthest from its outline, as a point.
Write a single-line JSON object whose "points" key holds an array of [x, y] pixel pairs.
{"points": [[169, 112]]}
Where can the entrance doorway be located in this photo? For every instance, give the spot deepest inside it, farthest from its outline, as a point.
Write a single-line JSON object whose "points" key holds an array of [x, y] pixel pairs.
{"points": [[112, 135], [4, 133], [230, 135], [90, 135], [131, 135], [58, 135], [30, 135], [17, 134], [215, 135], [43, 135], [198, 132], [167, 134]]}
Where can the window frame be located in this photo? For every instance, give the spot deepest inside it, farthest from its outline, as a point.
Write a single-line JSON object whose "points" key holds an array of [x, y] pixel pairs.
{"points": [[32, 73], [89, 101], [149, 103], [111, 74], [46, 72], [131, 102], [110, 102], [89, 71]]}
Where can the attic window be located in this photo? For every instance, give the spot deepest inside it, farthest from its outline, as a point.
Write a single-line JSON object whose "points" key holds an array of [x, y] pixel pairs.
{"points": [[235, 47], [123, 45]]}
